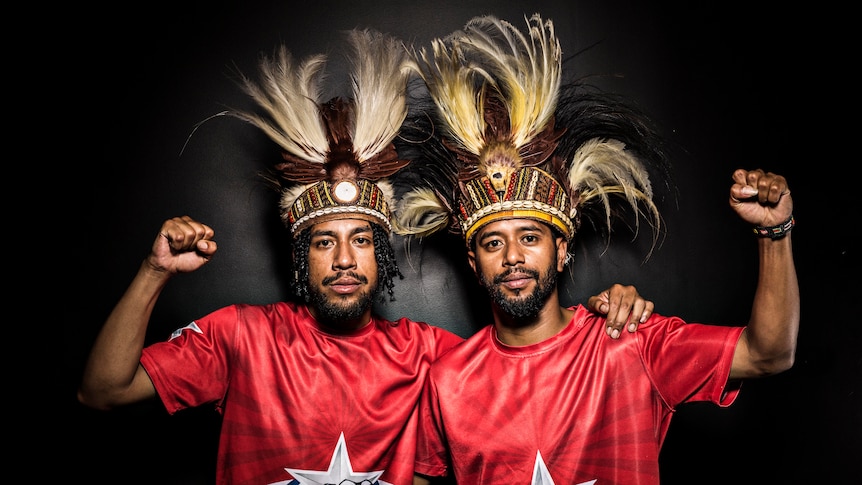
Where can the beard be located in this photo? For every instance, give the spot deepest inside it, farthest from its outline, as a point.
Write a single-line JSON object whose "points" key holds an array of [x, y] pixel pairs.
{"points": [[526, 306], [332, 311]]}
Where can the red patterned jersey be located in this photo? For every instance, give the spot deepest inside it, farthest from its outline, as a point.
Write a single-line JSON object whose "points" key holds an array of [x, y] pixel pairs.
{"points": [[579, 408], [300, 405]]}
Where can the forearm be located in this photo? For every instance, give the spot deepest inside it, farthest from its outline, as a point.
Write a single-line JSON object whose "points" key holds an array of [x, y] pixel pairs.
{"points": [[768, 344], [109, 376]]}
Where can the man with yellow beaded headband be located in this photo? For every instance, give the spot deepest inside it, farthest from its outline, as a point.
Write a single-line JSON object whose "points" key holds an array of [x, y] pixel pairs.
{"points": [[541, 395]]}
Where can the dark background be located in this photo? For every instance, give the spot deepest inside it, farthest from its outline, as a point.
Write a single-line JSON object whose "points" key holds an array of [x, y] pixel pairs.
{"points": [[731, 86]]}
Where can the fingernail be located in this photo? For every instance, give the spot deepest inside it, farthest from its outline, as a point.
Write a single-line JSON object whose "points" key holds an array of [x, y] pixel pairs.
{"points": [[643, 318], [749, 190], [615, 334], [632, 327]]}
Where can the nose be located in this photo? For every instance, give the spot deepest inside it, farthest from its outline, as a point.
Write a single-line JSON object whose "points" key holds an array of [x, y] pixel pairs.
{"points": [[512, 255], [344, 257]]}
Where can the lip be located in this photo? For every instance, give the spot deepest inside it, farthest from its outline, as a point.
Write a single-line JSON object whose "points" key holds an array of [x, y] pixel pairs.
{"points": [[517, 280], [345, 285]]}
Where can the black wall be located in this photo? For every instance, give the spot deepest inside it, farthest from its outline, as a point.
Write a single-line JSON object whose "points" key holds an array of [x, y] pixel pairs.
{"points": [[730, 85]]}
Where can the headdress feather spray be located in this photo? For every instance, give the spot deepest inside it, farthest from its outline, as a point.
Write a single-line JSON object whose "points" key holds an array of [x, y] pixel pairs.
{"points": [[498, 95], [496, 91], [337, 154]]}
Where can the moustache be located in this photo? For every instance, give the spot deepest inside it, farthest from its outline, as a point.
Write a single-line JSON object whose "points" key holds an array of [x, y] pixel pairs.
{"points": [[341, 274], [502, 276]]}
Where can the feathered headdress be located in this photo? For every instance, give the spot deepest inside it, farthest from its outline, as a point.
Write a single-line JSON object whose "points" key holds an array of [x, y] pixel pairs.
{"points": [[497, 92], [337, 154]]}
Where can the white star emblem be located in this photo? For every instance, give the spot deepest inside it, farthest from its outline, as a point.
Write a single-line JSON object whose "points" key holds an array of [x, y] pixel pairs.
{"points": [[541, 475], [192, 326], [339, 470]]}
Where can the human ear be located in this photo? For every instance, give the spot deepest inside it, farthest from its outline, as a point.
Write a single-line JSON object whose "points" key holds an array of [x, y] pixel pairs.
{"points": [[562, 253], [471, 260]]}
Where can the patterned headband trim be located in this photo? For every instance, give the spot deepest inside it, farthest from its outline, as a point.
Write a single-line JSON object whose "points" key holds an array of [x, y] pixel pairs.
{"points": [[361, 199], [531, 193], [542, 215]]}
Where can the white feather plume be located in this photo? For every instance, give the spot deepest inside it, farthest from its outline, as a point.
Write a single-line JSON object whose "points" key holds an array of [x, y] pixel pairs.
{"points": [[379, 74], [602, 168], [419, 213], [290, 95]]}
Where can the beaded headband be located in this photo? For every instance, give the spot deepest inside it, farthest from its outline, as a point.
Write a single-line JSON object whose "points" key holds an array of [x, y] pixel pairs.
{"points": [[531, 193], [345, 199]]}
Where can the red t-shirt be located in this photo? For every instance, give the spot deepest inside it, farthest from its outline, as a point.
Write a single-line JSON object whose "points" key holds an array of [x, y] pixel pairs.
{"points": [[579, 408], [298, 402]]}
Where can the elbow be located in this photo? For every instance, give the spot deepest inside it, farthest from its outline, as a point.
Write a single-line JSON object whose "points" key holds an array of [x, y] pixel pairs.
{"points": [[767, 353], [94, 399], [776, 364], [784, 362], [87, 399]]}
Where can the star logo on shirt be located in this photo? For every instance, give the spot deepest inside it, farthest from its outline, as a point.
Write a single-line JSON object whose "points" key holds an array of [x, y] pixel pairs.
{"points": [[340, 471], [541, 475], [192, 326]]}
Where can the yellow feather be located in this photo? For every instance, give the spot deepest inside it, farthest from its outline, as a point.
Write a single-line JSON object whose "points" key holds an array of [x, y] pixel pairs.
{"points": [[489, 53], [528, 69], [453, 89]]}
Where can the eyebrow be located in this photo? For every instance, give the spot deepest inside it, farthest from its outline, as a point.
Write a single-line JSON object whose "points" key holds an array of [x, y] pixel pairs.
{"points": [[361, 229], [527, 225], [356, 230]]}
